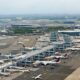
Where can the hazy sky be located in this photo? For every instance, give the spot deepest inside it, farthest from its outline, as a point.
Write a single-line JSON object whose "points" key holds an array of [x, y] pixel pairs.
{"points": [[39, 6]]}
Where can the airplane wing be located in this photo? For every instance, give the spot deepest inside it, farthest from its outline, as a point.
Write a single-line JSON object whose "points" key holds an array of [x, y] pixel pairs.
{"points": [[1, 61], [37, 77], [4, 73]]}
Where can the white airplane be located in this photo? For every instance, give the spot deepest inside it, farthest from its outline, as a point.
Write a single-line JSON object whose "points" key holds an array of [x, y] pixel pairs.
{"points": [[57, 56], [12, 70], [17, 70], [53, 62], [1, 61], [9, 56], [15, 67], [4, 73], [37, 77], [30, 48], [20, 42]]}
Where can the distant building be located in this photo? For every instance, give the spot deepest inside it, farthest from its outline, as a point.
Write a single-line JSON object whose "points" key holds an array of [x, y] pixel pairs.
{"points": [[60, 40], [69, 22], [75, 32], [59, 46], [67, 41]]}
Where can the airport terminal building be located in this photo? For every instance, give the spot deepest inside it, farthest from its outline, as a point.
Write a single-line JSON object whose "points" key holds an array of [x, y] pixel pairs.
{"points": [[56, 44]]}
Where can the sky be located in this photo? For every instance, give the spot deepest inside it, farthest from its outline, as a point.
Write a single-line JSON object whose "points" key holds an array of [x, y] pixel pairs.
{"points": [[39, 7]]}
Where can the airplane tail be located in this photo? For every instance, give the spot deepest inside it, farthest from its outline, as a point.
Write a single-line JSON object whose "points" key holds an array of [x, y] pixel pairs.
{"points": [[57, 60], [66, 55]]}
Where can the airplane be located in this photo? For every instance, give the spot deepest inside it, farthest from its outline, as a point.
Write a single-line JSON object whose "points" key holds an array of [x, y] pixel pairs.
{"points": [[73, 48], [15, 67], [17, 70], [27, 48], [37, 77], [20, 42], [1, 61], [30, 48], [4, 73], [65, 56], [53, 62], [9, 56]]}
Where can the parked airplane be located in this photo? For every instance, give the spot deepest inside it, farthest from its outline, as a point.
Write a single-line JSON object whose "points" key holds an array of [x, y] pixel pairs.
{"points": [[8, 56], [1, 61], [18, 70], [65, 56], [37, 77], [15, 67], [53, 62], [30, 48], [4, 73]]}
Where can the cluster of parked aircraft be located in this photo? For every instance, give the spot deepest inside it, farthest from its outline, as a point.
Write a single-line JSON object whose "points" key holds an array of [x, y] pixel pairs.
{"points": [[10, 69], [55, 56], [51, 60]]}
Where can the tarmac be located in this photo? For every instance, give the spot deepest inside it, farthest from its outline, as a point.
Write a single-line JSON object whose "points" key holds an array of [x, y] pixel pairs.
{"points": [[12, 43]]}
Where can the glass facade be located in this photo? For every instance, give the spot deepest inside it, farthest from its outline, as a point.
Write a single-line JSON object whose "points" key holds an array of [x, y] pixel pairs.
{"points": [[54, 36], [39, 56], [72, 33]]}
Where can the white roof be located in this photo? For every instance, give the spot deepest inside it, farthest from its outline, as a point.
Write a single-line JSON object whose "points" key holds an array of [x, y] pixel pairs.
{"points": [[75, 30]]}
